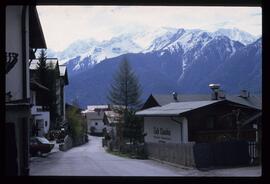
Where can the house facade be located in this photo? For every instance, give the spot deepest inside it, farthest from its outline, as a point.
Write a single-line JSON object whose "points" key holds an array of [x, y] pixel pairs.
{"points": [[57, 88], [40, 119], [166, 129], [220, 131], [111, 121], [63, 82], [202, 121], [23, 36], [94, 116]]}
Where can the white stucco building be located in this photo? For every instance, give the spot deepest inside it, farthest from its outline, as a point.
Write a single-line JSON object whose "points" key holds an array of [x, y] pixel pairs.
{"points": [[165, 129], [40, 120], [111, 121], [23, 36], [61, 80], [94, 116]]}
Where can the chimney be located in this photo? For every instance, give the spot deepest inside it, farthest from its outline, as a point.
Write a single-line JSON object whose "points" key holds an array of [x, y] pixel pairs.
{"points": [[244, 93], [215, 89], [221, 94], [109, 107], [175, 97]]}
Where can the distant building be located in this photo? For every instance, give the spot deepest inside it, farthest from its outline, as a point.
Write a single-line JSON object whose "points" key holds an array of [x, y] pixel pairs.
{"points": [[94, 116], [63, 83], [60, 72], [23, 36], [40, 119], [111, 121]]}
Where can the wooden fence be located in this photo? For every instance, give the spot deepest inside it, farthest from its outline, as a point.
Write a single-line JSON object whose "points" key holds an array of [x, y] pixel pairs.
{"points": [[204, 155], [253, 152], [220, 154], [181, 154]]}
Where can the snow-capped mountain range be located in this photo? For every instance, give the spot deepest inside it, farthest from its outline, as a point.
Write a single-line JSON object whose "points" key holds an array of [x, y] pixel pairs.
{"points": [[84, 54], [94, 51], [165, 60]]}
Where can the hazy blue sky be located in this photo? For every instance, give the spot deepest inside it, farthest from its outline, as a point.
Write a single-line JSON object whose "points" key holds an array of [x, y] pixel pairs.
{"points": [[63, 25]]}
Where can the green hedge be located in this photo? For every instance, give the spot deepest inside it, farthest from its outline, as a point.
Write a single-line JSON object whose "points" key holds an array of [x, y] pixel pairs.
{"points": [[77, 125]]}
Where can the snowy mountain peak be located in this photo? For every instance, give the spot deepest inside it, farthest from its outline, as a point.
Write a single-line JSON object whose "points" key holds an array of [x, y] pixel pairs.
{"points": [[181, 39], [236, 35], [88, 52]]}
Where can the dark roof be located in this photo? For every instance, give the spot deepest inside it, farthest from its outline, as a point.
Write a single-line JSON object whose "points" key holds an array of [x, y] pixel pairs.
{"points": [[94, 115], [176, 108], [35, 86], [63, 73], [112, 117], [252, 101], [52, 63], [36, 38], [179, 108], [166, 99]]}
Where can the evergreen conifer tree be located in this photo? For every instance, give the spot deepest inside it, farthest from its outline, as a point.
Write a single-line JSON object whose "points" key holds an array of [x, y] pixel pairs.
{"points": [[41, 77], [42, 69], [125, 89], [125, 93], [46, 76]]}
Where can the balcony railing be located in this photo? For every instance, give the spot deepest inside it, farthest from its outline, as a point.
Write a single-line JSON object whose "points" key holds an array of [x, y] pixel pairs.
{"points": [[35, 109]]}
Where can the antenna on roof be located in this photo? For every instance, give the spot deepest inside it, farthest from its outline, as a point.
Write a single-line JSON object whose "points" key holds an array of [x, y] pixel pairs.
{"points": [[175, 96], [215, 89], [244, 93]]}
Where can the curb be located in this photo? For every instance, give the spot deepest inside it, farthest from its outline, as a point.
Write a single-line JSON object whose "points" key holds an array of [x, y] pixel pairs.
{"points": [[172, 164]]}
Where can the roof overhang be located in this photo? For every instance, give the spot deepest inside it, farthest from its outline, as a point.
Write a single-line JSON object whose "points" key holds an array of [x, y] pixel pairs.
{"points": [[36, 38], [36, 114], [244, 104], [181, 108], [64, 74], [34, 85], [176, 109]]}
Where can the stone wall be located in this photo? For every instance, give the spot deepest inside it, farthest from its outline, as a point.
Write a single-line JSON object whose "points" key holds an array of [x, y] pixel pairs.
{"points": [[68, 143]]}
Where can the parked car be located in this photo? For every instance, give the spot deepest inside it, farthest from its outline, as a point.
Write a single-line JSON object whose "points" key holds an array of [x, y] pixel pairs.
{"points": [[39, 145]]}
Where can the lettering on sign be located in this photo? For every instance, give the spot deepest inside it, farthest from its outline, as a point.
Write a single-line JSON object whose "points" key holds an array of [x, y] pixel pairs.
{"points": [[159, 133]]}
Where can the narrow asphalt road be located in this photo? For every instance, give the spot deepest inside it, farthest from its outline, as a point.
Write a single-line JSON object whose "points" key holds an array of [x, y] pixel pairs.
{"points": [[91, 159]]}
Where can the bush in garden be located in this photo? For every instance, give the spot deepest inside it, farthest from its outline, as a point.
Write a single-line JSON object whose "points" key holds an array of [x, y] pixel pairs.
{"points": [[76, 125]]}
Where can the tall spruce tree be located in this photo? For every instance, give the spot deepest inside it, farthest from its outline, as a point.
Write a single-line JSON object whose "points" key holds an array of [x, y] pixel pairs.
{"points": [[125, 92], [41, 77], [46, 76], [125, 89], [42, 69]]}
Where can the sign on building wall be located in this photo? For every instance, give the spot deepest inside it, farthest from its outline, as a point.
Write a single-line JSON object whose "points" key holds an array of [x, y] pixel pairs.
{"points": [[162, 130], [161, 133]]}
